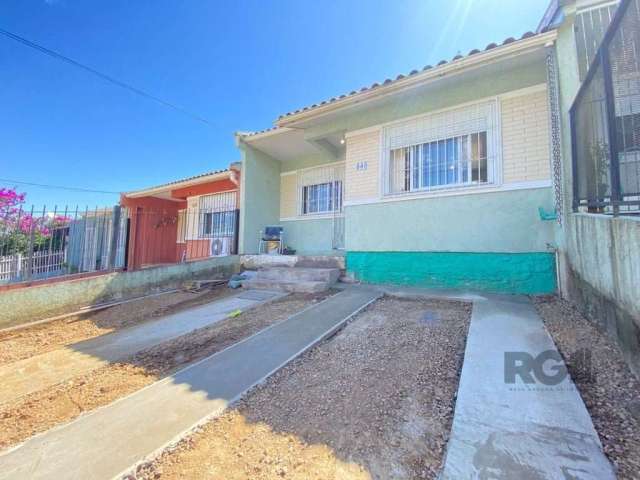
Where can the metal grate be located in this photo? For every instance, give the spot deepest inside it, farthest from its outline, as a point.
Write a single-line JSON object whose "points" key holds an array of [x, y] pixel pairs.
{"points": [[605, 122], [590, 27], [455, 148]]}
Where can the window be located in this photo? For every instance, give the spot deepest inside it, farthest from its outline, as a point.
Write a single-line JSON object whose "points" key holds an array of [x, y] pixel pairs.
{"points": [[460, 160], [218, 224], [445, 150], [217, 215], [320, 189], [322, 197]]}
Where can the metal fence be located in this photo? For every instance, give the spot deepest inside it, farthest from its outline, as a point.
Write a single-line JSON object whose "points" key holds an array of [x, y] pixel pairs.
{"points": [[42, 243], [605, 122]]}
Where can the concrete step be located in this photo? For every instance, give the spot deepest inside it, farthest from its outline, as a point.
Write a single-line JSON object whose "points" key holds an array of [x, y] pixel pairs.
{"points": [[287, 274], [298, 286]]}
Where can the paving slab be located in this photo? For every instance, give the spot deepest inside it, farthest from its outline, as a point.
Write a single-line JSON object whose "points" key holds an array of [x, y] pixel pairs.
{"points": [[107, 442], [41, 371], [517, 431]]}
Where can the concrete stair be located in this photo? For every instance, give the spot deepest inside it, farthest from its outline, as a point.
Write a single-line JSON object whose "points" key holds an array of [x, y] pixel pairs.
{"points": [[294, 279]]}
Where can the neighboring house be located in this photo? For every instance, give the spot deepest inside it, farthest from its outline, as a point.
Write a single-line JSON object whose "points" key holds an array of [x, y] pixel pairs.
{"points": [[435, 178], [184, 220]]}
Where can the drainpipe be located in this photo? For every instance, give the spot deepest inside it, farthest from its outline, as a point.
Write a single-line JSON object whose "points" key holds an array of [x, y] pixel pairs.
{"points": [[552, 248]]}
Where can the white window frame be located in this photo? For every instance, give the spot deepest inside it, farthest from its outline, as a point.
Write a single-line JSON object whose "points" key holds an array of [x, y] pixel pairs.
{"points": [[411, 135], [331, 173]]}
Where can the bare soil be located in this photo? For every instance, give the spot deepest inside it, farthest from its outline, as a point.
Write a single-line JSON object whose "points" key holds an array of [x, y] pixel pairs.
{"points": [[20, 344], [373, 402], [609, 389], [61, 403]]}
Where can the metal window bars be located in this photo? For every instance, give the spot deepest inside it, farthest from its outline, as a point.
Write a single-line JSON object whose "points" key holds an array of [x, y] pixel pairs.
{"points": [[605, 122]]}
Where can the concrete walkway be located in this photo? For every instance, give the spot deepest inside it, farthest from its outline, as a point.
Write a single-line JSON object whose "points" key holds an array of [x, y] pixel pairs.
{"points": [[109, 441], [517, 431], [39, 372]]}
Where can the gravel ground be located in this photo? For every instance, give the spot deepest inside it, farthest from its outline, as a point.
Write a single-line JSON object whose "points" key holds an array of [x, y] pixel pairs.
{"points": [[19, 344], [61, 403], [375, 401], [609, 389]]}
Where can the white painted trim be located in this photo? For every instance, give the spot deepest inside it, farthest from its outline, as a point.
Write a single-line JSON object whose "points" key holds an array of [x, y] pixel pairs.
{"points": [[320, 216], [248, 137], [461, 191], [459, 66], [289, 172]]}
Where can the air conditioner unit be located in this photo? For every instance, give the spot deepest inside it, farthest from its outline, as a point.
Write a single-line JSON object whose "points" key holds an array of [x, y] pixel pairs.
{"points": [[221, 247]]}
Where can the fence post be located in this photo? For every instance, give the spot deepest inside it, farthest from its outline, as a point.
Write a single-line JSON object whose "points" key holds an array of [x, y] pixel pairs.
{"points": [[32, 234], [610, 108], [18, 266], [115, 235]]}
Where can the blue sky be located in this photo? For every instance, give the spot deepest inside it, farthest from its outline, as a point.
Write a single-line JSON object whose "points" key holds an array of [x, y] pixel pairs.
{"points": [[238, 63]]}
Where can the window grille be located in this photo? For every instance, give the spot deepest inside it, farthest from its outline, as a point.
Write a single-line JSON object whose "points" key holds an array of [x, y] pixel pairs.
{"points": [[590, 27], [457, 148], [217, 215], [605, 121], [320, 190]]}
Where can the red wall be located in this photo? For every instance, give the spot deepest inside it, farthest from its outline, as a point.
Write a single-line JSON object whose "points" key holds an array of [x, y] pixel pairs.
{"points": [[153, 225], [153, 230]]}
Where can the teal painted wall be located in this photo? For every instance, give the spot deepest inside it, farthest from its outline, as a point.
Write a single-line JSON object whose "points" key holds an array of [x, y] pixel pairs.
{"points": [[259, 196], [485, 222], [310, 237], [522, 273]]}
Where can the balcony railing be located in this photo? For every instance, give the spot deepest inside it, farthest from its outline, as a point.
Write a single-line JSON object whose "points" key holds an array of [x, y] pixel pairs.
{"points": [[605, 122]]}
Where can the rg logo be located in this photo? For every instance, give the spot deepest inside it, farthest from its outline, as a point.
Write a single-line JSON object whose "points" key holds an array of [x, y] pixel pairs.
{"points": [[546, 368]]}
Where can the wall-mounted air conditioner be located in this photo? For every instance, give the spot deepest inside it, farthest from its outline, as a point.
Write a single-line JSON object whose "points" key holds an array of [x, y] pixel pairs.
{"points": [[221, 247]]}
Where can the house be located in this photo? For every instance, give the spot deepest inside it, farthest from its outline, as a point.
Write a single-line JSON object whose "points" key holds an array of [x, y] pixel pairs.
{"points": [[188, 219], [435, 178]]}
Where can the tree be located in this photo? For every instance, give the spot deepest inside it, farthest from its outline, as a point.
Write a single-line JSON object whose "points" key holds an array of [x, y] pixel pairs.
{"points": [[18, 227]]}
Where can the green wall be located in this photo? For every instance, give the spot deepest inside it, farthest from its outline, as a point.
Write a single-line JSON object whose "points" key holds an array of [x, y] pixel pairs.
{"points": [[446, 93], [522, 273], [259, 196], [484, 222], [310, 237]]}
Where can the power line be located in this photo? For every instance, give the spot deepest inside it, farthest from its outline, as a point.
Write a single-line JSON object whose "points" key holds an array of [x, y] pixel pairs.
{"points": [[101, 75], [57, 187]]}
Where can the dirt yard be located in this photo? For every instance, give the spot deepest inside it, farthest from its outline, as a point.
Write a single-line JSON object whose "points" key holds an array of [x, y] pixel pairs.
{"points": [[609, 389], [373, 402], [42, 410], [19, 344]]}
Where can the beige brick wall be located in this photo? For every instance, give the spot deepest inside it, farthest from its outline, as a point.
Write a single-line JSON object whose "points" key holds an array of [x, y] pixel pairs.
{"points": [[288, 193], [525, 138], [362, 184]]}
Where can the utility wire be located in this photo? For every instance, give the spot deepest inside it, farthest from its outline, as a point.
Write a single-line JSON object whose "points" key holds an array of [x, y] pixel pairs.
{"points": [[56, 187], [101, 75]]}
